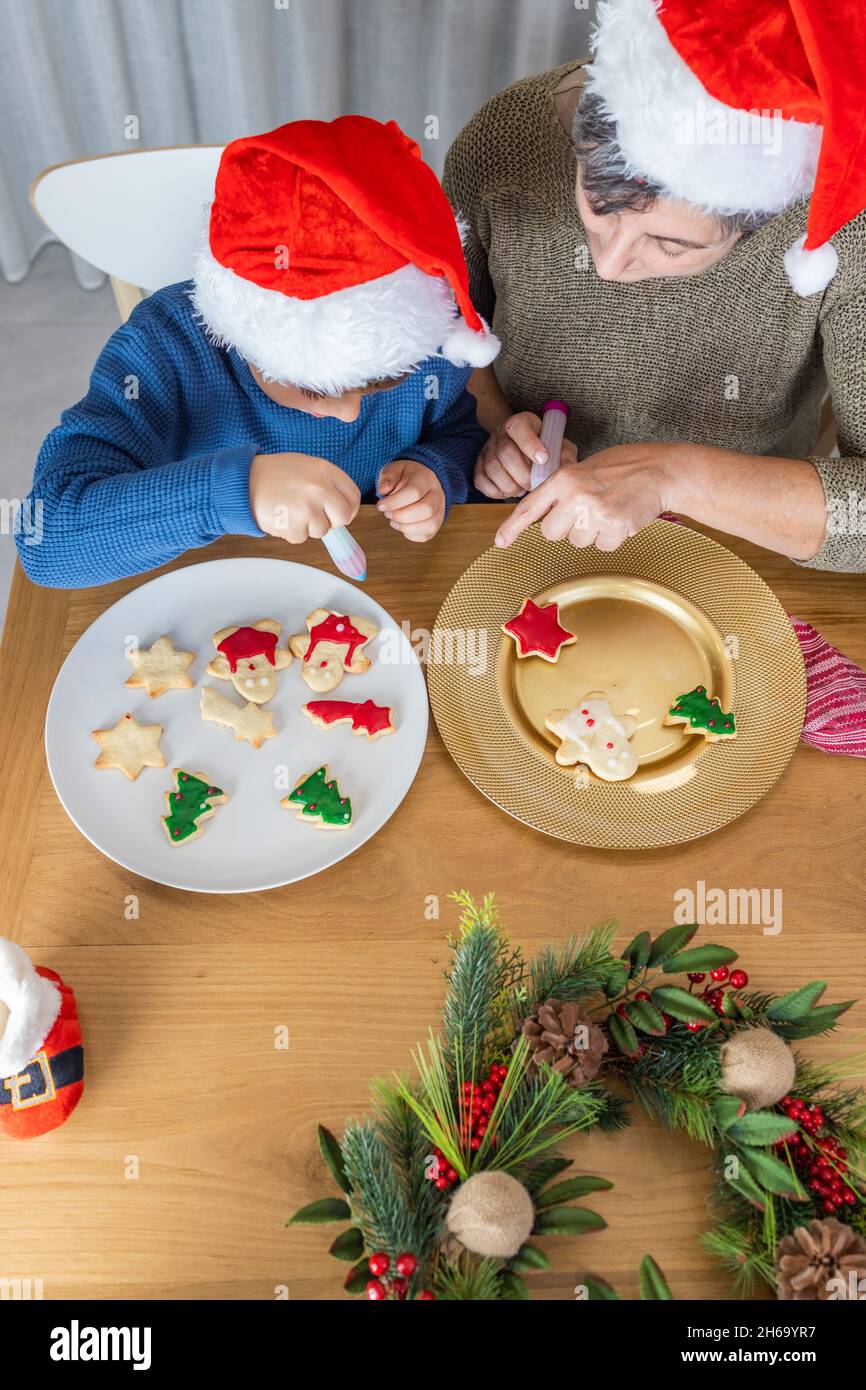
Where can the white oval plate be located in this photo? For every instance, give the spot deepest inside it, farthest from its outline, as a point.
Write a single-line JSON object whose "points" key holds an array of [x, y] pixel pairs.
{"points": [[251, 843]]}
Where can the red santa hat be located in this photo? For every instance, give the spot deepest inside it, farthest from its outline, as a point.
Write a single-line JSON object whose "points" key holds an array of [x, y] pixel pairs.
{"points": [[333, 258], [742, 108]]}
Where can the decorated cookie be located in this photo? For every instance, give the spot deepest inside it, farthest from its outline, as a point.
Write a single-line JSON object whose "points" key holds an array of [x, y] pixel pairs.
{"points": [[537, 631], [160, 668], [250, 722], [192, 802], [333, 645], [364, 716], [318, 800], [129, 746], [593, 735], [702, 715], [249, 657]]}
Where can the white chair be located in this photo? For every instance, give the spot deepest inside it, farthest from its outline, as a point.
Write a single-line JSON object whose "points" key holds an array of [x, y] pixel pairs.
{"points": [[135, 216]]}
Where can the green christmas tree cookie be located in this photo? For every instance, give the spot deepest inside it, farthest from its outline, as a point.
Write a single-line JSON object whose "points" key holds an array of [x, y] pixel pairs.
{"points": [[193, 801], [702, 715], [319, 800]]}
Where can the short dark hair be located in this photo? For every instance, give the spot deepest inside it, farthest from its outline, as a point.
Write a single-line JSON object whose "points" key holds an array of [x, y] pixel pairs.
{"points": [[606, 182]]}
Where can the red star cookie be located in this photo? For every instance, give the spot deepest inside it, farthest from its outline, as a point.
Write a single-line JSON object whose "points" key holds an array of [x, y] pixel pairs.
{"points": [[537, 631]]}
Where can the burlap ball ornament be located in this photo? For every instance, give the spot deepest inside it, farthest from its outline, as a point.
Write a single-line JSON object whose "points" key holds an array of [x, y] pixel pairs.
{"points": [[491, 1214], [758, 1066]]}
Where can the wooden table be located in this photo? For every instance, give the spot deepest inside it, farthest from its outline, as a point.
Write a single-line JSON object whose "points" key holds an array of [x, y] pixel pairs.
{"points": [[196, 1136]]}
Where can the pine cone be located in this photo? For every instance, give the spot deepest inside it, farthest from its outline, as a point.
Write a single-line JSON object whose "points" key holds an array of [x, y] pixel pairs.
{"points": [[808, 1260], [560, 1033]]}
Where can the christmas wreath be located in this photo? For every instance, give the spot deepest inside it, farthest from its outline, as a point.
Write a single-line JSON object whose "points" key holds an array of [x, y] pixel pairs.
{"points": [[455, 1170]]}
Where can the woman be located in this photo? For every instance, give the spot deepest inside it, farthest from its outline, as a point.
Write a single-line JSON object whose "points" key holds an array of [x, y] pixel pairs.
{"points": [[635, 241]]}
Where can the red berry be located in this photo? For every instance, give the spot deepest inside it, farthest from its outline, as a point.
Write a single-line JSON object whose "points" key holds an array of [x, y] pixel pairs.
{"points": [[720, 973], [451, 1175], [643, 994], [697, 977], [739, 979], [441, 1183], [399, 1287], [379, 1264], [828, 1205], [620, 1008], [407, 1264], [425, 1296], [376, 1291], [849, 1196], [694, 1027], [475, 1143]]}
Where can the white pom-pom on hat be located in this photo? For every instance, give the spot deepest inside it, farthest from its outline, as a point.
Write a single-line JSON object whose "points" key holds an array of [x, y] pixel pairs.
{"points": [[464, 347], [810, 272]]}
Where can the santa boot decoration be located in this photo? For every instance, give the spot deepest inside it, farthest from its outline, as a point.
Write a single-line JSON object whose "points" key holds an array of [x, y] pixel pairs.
{"points": [[41, 1056]]}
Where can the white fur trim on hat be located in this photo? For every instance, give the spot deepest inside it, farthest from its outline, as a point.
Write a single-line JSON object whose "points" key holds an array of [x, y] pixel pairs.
{"points": [[33, 1003], [338, 342], [810, 272], [672, 132]]}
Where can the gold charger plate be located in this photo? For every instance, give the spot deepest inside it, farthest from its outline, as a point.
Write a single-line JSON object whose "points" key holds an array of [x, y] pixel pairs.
{"points": [[669, 610]]}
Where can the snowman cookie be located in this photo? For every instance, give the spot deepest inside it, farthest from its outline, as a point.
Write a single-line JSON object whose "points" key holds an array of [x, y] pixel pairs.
{"points": [[332, 646], [250, 657], [592, 734]]}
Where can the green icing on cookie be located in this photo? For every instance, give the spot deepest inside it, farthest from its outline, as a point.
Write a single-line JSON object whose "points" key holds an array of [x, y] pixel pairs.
{"points": [[701, 712], [321, 800], [189, 801]]}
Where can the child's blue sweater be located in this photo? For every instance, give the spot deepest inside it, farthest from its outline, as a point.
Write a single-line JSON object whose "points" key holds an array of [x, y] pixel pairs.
{"points": [[156, 458]]}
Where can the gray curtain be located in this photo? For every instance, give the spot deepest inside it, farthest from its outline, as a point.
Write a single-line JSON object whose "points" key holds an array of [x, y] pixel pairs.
{"points": [[84, 77]]}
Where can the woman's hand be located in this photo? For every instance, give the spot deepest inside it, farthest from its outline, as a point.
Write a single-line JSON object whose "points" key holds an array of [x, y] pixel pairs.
{"points": [[599, 501], [503, 466], [411, 498], [298, 497]]}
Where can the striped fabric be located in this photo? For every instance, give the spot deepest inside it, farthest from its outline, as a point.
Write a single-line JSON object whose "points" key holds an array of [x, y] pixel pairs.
{"points": [[836, 696]]}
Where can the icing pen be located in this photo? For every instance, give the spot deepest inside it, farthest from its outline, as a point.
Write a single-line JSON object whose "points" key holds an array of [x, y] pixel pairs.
{"points": [[553, 417], [345, 552]]}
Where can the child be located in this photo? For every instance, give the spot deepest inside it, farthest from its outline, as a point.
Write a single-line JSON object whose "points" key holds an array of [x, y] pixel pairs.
{"points": [[296, 374]]}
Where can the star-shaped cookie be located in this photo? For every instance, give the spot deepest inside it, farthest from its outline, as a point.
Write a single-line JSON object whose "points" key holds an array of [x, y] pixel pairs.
{"points": [[537, 631], [250, 722], [160, 668], [129, 746]]}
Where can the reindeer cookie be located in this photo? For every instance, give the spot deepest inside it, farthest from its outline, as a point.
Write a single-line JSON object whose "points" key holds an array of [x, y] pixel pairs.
{"points": [[249, 657], [592, 734], [332, 646]]}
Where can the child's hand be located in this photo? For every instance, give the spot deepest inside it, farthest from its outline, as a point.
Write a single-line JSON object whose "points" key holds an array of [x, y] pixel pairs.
{"points": [[411, 497], [298, 497]]}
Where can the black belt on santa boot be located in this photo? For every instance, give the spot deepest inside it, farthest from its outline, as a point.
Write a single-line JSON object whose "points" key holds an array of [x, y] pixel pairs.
{"points": [[43, 1076]]}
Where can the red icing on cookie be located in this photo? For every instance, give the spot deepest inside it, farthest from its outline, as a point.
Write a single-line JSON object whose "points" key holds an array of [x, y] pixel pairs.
{"points": [[537, 630], [336, 628], [248, 642], [366, 715]]}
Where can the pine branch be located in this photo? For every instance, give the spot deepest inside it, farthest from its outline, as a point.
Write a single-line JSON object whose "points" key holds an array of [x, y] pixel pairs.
{"points": [[579, 967], [484, 971], [409, 1148], [378, 1200], [466, 1279]]}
